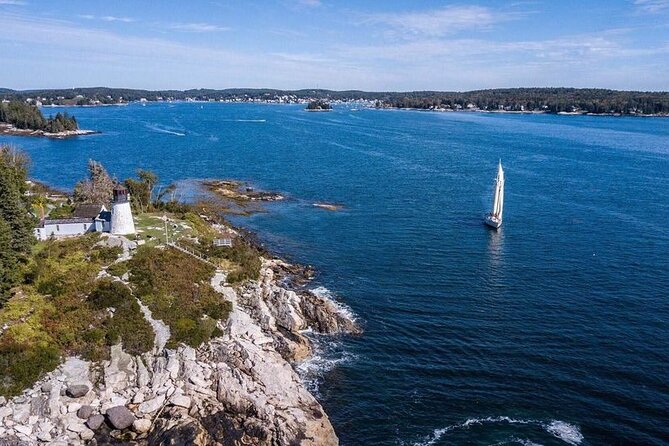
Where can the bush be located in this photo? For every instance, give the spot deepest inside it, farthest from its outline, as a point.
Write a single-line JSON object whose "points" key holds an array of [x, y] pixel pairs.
{"points": [[106, 254], [118, 269], [176, 288], [21, 364]]}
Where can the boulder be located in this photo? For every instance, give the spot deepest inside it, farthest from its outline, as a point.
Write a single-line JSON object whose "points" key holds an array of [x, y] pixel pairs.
{"points": [[95, 422], [77, 390], [44, 437], [22, 429], [85, 412], [46, 387], [141, 426], [181, 401], [152, 405], [86, 434], [120, 417]]}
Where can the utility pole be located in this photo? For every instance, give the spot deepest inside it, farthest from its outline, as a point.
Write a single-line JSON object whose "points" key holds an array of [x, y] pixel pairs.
{"points": [[167, 236]]}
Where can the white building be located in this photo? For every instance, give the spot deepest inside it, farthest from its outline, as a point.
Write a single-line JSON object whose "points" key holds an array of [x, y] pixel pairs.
{"points": [[92, 218]]}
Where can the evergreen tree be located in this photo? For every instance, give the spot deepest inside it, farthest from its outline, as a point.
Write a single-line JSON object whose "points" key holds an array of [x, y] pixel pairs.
{"points": [[16, 223]]}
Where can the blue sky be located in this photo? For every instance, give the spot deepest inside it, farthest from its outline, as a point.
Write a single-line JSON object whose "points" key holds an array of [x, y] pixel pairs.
{"points": [[355, 44]]}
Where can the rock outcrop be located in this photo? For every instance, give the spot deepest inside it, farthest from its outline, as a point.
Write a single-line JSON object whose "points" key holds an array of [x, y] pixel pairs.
{"points": [[238, 389]]}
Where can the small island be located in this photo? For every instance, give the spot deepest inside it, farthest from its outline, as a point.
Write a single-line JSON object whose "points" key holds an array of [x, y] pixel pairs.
{"points": [[318, 105], [22, 119]]}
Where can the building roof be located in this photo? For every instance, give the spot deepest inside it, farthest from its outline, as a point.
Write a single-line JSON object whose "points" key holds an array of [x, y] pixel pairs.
{"points": [[104, 215], [64, 221], [88, 210]]}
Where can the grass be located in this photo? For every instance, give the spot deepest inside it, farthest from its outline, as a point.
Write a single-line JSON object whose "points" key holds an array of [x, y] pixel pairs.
{"points": [[151, 228], [176, 288]]}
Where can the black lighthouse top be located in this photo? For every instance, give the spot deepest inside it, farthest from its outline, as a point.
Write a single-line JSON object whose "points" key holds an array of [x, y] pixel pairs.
{"points": [[120, 194]]}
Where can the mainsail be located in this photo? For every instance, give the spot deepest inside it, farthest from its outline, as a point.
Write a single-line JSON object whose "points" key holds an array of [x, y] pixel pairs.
{"points": [[498, 201]]}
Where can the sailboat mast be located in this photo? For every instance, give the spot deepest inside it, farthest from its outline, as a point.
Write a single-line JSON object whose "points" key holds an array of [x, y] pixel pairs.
{"points": [[500, 190]]}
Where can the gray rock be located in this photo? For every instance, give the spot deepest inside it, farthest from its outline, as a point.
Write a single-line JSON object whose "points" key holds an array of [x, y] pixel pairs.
{"points": [[77, 390], [95, 422], [85, 412], [181, 401], [141, 426], [120, 417], [25, 430], [44, 437], [152, 405], [3, 400], [4, 412], [86, 434], [46, 387]]}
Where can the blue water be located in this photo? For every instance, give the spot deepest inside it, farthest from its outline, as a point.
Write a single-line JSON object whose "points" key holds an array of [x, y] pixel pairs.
{"points": [[552, 331]]}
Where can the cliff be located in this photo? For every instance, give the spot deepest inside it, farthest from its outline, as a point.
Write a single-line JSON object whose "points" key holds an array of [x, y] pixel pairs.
{"points": [[239, 388]]}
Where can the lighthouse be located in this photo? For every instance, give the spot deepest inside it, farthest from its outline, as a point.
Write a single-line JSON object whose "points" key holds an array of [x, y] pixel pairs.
{"points": [[121, 214]]}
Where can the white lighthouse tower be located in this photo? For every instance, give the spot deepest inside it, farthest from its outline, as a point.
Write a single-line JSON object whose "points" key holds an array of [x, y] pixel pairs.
{"points": [[121, 214]]}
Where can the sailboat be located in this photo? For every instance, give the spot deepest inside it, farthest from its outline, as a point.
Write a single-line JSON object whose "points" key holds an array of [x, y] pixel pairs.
{"points": [[494, 218]]}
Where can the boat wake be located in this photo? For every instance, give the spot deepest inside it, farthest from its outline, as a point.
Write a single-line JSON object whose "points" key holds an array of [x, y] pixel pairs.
{"points": [[245, 120], [163, 129], [568, 433]]}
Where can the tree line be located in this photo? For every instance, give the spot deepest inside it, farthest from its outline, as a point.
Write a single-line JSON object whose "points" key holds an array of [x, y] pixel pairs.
{"points": [[549, 100], [26, 116]]}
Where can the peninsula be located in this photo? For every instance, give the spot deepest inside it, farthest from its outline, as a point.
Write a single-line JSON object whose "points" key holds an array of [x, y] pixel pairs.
{"points": [[19, 118], [180, 331]]}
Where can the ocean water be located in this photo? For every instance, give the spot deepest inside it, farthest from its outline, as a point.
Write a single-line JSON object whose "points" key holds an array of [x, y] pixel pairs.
{"points": [[552, 331]]}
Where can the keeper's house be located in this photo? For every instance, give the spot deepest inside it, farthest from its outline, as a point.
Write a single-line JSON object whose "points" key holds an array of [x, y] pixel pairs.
{"points": [[86, 218]]}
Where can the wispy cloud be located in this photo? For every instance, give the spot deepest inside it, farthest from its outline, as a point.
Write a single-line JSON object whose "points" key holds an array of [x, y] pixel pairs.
{"points": [[312, 3], [442, 21], [652, 6], [13, 2], [198, 27], [107, 18]]}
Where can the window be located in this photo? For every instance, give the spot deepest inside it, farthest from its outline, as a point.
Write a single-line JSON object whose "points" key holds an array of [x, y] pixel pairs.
{"points": [[84, 226], [58, 228]]}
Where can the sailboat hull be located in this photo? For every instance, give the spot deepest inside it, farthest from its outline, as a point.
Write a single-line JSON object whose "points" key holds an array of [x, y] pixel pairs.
{"points": [[493, 222]]}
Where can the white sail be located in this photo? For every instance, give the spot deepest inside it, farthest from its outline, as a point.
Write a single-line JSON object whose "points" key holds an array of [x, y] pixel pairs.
{"points": [[494, 219], [499, 192]]}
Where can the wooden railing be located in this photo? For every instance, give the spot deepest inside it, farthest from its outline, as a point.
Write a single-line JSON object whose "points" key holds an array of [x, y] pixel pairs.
{"points": [[191, 252]]}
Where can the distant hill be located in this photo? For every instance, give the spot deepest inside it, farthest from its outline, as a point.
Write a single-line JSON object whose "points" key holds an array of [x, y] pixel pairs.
{"points": [[547, 100]]}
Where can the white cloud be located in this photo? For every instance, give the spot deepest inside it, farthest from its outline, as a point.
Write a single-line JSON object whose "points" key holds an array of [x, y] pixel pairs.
{"points": [[198, 27], [107, 18], [13, 2], [652, 6], [441, 21]]}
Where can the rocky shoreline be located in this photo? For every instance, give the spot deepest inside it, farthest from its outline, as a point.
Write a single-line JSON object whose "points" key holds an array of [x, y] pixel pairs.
{"points": [[239, 388], [10, 130]]}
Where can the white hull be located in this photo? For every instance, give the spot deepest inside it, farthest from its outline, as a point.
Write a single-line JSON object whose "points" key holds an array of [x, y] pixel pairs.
{"points": [[493, 222]]}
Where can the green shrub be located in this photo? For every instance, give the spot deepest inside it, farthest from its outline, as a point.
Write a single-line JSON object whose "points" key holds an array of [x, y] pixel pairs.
{"points": [[64, 211], [176, 288], [118, 269], [22, 364], [106, 254]]}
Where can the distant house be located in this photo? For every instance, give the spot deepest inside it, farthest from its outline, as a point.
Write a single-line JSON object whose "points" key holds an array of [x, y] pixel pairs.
{"points": [[86, 218], [224, 239]]}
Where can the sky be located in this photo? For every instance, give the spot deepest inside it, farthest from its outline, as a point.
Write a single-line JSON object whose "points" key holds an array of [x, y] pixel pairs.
{"points": [[389, 45]]}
